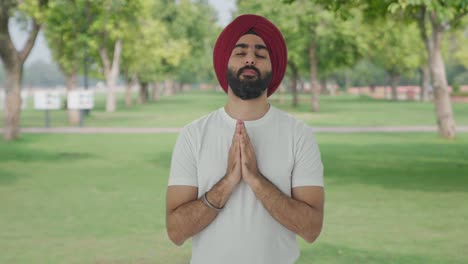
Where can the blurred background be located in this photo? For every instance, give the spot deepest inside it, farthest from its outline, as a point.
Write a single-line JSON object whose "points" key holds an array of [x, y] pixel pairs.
{"points": [[93, 93]]}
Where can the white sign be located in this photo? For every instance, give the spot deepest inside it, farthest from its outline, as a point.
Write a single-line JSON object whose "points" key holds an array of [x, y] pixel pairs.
{"points": [[80, 99], [47, 100], [24, 99]]}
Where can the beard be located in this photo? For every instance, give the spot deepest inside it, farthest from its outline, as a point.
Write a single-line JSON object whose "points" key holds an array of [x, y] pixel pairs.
{"points": [[250, 87]]}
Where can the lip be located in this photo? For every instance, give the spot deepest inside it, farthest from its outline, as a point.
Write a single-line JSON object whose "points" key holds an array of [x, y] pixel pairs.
{"points": [[249, 72]]}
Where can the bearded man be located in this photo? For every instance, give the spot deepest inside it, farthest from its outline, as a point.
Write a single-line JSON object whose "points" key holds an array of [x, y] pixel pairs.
{"points": [[247, 178]]}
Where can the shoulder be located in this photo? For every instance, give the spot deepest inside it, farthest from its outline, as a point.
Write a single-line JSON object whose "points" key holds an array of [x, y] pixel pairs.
{"points": [[195, 128], [296, 126]]}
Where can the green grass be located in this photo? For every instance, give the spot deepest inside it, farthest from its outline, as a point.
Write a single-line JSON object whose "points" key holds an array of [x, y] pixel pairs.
{"points": [[178, 110], [390, 198]]}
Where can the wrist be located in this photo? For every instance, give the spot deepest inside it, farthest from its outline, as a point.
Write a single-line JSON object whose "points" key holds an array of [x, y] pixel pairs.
{"points": [[211, 205], [253, 180], [231, 180]]}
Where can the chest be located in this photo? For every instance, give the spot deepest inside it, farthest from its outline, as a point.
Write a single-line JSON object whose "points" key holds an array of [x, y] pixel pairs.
{"points": [[274, 153]]}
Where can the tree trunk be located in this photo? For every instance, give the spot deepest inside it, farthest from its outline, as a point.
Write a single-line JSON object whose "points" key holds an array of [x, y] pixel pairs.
{"points": [[168, 87], [394, 80], [424, 83], [347, 79], [323, 86], [156, 92], [177, 87], [315, 89], [443, 105], [13, 61], [294, 90], [293, 83], [12, 108], [144, 93], [111, 72], [73, 114], [128, 90]]}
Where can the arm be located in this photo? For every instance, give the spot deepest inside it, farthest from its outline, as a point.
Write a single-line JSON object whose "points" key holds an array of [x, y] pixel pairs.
{"points": [[302, 213], [186, 215]]}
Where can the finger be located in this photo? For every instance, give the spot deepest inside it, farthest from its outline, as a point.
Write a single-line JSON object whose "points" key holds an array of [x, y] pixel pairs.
{"points": [[242, 146], [239, 125], [246, 139], [234, 136], [245, 134], [238, 148]]}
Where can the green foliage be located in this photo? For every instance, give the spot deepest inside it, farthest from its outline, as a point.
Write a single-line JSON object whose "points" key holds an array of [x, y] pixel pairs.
{"points": [[195, 23], [340, 43], [67, 33], [149, 49], [396, 47], [77, 29], [447, 13]]}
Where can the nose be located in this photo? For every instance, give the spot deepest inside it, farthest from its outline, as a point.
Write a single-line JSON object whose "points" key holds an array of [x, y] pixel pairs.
{"points": [[250, 59]]}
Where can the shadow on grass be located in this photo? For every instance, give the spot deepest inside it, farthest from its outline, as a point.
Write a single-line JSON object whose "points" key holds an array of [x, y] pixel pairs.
{"points": [[8, 177], [327, 253], [411, 166], [20, 151], [162, 159]]}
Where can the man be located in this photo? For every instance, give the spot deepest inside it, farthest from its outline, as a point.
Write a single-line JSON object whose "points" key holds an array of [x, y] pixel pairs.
{"points": [[246, 178]]}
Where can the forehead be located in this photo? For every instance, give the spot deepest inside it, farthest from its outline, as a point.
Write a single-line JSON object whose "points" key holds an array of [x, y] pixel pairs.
{"points": [[251, 40]]}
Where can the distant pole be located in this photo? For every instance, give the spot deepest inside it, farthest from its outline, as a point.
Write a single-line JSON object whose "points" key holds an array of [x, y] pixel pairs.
{"points": [[47, 119]]}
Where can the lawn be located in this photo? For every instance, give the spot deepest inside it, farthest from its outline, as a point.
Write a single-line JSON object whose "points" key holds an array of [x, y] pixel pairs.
{"points": [[390, 198], [178, 110]]}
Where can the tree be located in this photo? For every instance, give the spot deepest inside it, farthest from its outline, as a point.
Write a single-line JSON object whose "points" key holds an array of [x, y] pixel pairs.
{"points": [[396, 48], [110, 22], [32, 12], [194, 21], [324, 40], [434, 19], [66, 33], [151, 49]]}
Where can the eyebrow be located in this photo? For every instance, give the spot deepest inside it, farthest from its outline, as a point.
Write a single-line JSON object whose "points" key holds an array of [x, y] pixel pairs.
{"points": [[244, 46]]}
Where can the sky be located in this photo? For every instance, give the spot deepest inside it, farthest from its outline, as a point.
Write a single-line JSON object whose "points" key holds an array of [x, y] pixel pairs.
{"points": [[42, 52]]}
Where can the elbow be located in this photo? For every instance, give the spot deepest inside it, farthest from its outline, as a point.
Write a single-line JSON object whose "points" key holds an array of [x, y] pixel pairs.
{"points": [[311, 235], [175, 237]]}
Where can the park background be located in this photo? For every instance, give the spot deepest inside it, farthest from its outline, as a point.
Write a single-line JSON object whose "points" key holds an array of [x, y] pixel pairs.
{"points": [[96, 193]]}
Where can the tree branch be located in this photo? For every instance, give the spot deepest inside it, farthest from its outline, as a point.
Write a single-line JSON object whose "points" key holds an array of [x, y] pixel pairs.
{"points": [[7, 48], [105, 60], [117, 53], [23, 54], [458, 17]]}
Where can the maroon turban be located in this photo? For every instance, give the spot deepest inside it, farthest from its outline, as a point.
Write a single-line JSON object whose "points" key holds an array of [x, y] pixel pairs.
{"points": [[266, 30]]}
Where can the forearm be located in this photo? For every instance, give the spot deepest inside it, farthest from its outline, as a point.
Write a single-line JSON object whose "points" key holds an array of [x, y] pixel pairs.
{"points": [[297, 216], [192, 217]]}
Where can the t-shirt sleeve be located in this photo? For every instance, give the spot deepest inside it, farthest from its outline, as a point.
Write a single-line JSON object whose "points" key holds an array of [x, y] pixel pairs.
{"points": [[308, 167], [183, 162]]}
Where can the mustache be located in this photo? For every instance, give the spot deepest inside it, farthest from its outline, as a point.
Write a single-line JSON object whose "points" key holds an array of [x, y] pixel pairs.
{"points": [[248, 67]]}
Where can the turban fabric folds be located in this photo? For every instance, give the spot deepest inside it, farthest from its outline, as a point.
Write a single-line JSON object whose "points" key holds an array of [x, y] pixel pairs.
{"points": [[266, 30]]}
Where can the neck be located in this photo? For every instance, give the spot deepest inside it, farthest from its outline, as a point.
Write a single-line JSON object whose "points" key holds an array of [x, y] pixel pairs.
{"points": [[246, 110]]}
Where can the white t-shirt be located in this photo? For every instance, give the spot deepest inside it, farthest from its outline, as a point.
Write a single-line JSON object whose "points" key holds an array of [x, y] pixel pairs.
{"points": [[244, 232]]}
